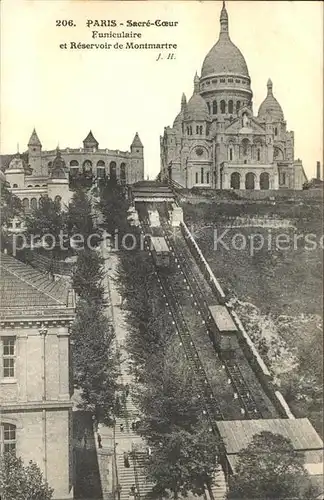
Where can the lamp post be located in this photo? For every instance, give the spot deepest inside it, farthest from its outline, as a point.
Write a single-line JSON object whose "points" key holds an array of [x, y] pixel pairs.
{"points": [[43, 332]]}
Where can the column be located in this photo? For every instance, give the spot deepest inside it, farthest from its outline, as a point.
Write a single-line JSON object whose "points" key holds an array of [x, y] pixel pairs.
{"points": [[257, 181], [64, 365], [242, 180]]}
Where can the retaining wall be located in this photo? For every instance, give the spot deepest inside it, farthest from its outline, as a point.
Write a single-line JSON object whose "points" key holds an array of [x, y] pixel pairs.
{"points": [[248, 347]]}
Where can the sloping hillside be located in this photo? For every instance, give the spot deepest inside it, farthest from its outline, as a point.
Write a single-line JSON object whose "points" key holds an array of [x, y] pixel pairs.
{"points": [[268, 257]]}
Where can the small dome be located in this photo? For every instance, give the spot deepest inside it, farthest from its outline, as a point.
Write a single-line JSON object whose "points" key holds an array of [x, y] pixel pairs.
{"points": [[224, 56], [197, 109], [271, 105]]}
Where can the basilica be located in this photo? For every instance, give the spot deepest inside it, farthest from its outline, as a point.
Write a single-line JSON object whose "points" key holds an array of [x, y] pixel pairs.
{"points": [[217, 142]]}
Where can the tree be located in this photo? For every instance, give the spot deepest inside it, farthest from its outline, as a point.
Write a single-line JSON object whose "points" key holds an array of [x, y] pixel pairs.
{"points": [[88, 275], [270, 469], [183, 463], [23, 482], [48, 223], [95, 362], [80, 218], [114, 207], [10, 207]]}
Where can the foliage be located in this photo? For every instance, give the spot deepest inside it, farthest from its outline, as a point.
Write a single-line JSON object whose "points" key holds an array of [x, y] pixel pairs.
{"points": [[270, 469], [113, 205], [80, 218], [48, 223], [10, 205], [184, 462], [94, 360], [23, 482], [88, 275]]}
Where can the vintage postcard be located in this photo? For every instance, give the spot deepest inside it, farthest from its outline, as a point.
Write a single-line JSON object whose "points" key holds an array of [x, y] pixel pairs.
{"points": [[161, 306]]}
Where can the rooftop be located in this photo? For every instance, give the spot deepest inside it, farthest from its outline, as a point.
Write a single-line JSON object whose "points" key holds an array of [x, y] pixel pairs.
{"points": [[24, 289]]}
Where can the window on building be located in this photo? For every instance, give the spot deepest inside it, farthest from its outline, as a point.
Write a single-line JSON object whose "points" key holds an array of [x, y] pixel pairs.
{"points": [[222, 80], [202, 175], [238, 81], [33, 204], [214, 107], [201, 130], [7, 438], [222, 106], [208, 106], [230, 107], [8, 357], [15, 185], [207, 177], [238, 105], [231, 154], [283, 178], [276, 131], [197, 129], [258, 154], [230, 80], [123, 173], [197, 178]]}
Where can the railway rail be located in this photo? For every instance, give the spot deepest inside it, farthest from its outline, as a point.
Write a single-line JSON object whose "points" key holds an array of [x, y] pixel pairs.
{"points": [[211, 407], [249, 405]]}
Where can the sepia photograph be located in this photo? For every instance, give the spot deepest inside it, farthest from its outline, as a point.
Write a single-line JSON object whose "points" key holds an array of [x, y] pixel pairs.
{"points": [[161, 265]]}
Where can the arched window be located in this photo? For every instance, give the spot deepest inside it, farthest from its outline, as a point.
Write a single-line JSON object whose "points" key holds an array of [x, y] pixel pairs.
{"points": [[238, 105], [230, 107], [207, 178], [249, 181], [100, 169], [49, 164], [245, 147], [29, 186], [74, 163], [197, 129], [33, 204], [15, 185], [190, 128], [202, 175], [87, 166], [264, 180], [214, 107], [25, 203], [230, 152], [197, 178], [235, 180], [37, 185], [276, 131], [258, 154], [7, 438], [113, 170], [123, 172], [223, 107]]}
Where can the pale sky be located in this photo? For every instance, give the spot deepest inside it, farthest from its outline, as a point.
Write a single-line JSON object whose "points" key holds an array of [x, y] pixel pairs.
{"points": [[65, 93]]}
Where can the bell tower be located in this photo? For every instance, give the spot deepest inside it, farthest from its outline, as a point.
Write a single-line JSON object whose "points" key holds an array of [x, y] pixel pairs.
{"points": [[35, 155]]}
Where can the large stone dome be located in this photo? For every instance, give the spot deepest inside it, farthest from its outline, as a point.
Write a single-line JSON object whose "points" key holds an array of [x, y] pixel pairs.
{"points": [[270, 105], [224, 56]]}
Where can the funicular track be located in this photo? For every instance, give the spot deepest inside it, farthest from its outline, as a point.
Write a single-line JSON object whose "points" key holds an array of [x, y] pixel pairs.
{"points": [[232, 368], [208, 400]]}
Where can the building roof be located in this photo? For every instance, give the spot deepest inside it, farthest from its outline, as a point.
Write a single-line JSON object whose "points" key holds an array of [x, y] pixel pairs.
{"points": [[137, 141], [271, 105], [34, 140], [224, 56], [159, 244], [90, 140], [237, 434], [222, 318], [24, 289]]}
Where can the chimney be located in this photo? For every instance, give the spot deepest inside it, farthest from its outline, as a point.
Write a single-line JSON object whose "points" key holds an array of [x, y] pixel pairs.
{"points": [[318, 170]]}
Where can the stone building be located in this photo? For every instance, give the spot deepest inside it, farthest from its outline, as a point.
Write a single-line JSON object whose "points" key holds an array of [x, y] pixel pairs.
{"points": [[217, 142], [35, 390], [38, 173]]}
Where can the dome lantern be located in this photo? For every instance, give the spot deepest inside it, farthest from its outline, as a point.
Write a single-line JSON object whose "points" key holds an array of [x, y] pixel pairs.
{"points": [[223, 21]]}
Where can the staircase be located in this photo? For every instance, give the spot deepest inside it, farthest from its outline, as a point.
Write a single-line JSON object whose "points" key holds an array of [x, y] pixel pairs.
{"points": [[219, 487], [144, 487]]}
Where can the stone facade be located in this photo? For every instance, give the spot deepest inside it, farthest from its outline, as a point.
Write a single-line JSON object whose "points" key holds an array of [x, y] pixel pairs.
{"points": [[35, 399], [38, 173], [217, 142]]}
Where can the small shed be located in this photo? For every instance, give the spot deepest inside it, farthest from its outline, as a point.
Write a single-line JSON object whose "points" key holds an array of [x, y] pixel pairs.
{"points": [[237, 435]]}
